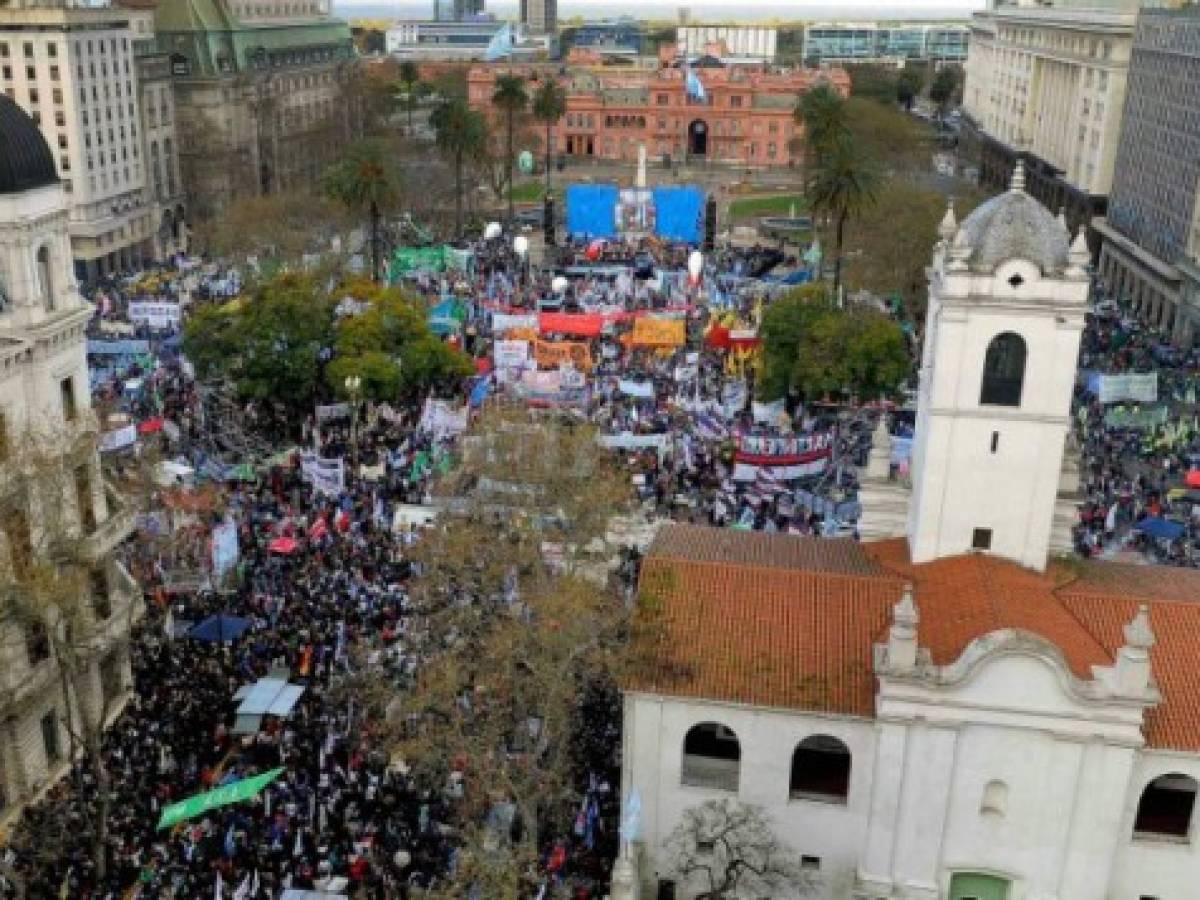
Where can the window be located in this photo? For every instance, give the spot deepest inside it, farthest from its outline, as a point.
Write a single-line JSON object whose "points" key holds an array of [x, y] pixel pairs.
{"points": [[820, 770], [1165, 809], [66, 389], [112, 683], [3, 432], [37, 642], [712, 757], [83, 498], [995, 799], [50, 736], [1003, 371], [981, 539], [15, 524], [995, 441], [101, 605], [810, 863]]}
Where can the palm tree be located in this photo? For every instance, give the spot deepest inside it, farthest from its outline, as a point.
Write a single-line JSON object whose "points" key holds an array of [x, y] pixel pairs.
{"points": [[410, 77], [549, 105], [843, 183], [511, 98], [822, 112], [366, 179], [461, 132]]}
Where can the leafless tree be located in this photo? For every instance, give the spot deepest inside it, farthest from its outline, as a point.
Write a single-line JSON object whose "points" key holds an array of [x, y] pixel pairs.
{"points": [[728, 850]]}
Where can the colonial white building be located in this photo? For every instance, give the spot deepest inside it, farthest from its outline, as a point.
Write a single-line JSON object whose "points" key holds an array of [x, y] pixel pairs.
{"points": [[950, 713], [44, 408]]}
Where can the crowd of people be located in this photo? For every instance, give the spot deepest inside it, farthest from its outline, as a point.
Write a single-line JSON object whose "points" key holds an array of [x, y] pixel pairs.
{"points": [[1136, 502]]}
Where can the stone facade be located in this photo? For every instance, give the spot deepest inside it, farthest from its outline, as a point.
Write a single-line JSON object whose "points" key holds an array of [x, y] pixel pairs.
{"points": [[260, 101], [45, 403], [747, 117], [1047, 86]]}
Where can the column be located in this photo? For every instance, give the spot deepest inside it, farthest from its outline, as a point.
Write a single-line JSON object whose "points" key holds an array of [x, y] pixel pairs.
{"points": [[16, 778], [929, 772], [876, 865]]}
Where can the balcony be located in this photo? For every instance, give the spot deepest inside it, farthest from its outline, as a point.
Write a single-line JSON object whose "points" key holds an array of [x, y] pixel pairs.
{"points": [[121, 521]]}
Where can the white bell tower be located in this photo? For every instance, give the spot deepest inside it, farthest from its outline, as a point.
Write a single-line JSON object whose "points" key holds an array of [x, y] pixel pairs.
{"points": [[1007, 296]]}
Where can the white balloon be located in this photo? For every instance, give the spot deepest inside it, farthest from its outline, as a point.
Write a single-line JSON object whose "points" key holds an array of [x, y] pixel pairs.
{"points": [[401, 858], [521, 244], [695, 263], [559, 284], [491, 230]]}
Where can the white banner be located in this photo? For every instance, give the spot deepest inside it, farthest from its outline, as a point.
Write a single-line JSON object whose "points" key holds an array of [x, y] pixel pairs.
{"points": [[628, 441], [748, 472], [768, 413], [643, 389], [510, 354], [325, 475], [224, 548], [332, 411], [156, 315], [118, 438], [503, 322], [1114, 388], [442, 419]]}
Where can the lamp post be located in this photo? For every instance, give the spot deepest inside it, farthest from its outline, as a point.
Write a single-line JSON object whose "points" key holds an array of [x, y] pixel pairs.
{"points": [[521, 248], [353, 385]]}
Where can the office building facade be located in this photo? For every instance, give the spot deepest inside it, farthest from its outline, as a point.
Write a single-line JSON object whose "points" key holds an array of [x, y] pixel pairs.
{"points": [[1047, 86], [540, 16], [1151, 235], [743, 42], [895, 43], [73, 70]]}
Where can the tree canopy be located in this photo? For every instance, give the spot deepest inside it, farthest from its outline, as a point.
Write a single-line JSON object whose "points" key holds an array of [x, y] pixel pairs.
{"points": [[812, 349], [285, 343]]}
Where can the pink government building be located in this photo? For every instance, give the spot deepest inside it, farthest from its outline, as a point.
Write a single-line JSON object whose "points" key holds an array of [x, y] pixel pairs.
{"points": [[747, 116]]}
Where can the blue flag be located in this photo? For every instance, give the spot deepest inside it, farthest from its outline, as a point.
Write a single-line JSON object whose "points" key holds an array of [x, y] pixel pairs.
{"points": [[695, 88]]}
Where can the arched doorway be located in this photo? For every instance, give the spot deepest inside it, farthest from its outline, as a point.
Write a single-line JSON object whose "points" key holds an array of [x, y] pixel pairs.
{"points": [[698, 138], [973, 886]]}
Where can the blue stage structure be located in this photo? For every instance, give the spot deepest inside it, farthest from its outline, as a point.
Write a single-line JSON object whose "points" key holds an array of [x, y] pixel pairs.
{"points": [[674, 213]]}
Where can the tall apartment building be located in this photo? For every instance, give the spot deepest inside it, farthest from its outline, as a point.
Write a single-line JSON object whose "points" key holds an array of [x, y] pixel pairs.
{"points": [[1151, 236], [160, 143], [456, 10], [72, 69], [540, 16], [749, 43], [1046, 85], [46, 432], [259, 94]]}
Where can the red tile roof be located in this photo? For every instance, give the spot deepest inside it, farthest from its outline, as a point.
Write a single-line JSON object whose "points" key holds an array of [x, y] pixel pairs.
{"points": [[774, 620]]}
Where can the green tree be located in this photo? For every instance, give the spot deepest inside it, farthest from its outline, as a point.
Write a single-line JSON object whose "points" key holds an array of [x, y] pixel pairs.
{"points": [[462, 133], [944, 88], [549, 105], [871, 81], [901, 143], [367, 179], [387, 343], [268, 344], [511, 98], [843, 184], [410, 77], [910, 84], [822, 112], [812, 349]]}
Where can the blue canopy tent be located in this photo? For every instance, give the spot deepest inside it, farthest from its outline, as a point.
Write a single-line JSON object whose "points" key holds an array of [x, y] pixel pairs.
{"points": [[1160, 529], [220, 628], [446, 318]]}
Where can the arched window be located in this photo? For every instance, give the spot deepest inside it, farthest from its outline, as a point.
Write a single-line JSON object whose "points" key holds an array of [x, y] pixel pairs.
{"points": [[45, 277], [820, 770], [712, 757], [1003, 371], [1165, 809]]}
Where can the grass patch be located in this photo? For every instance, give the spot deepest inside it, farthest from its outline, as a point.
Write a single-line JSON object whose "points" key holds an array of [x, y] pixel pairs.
{"points": [[774, 205], [529, 192]]}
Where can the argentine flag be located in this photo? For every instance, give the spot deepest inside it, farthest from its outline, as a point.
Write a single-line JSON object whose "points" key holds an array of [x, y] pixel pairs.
{"points": [[695, 88], [501, 44]]}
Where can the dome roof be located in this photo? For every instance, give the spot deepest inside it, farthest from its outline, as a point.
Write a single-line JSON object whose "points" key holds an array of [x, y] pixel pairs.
{"points": [[25, 158], [1016, 226]]}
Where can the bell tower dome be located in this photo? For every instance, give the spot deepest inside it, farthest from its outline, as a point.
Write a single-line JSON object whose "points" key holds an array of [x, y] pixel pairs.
{"points": [[1007, 296]]}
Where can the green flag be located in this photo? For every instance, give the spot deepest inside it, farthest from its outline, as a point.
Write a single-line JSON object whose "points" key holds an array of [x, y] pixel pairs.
{"points": [[234, 792]]}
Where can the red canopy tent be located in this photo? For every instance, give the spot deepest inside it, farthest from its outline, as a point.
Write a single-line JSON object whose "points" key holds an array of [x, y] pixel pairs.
{"points": [[151, 426], [588, 325], [1193, 478], [283, 545]]}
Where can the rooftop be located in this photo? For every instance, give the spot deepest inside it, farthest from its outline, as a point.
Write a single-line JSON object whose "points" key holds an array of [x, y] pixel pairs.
{"points": [[788, 622]]}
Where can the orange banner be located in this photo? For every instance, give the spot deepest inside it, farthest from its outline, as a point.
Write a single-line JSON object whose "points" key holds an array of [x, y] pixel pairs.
{"points": [[649, 332], [551, 355]]}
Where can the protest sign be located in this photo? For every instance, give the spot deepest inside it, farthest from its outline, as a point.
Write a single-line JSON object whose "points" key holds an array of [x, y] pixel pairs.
{"points": [[510, 354], [648, 332], [551, 355], [156, 315]]}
